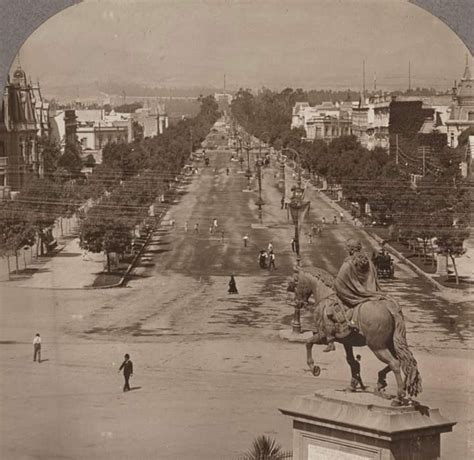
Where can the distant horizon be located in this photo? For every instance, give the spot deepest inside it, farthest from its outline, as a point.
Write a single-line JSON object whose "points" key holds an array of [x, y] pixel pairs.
{"points": [[192, 44]]}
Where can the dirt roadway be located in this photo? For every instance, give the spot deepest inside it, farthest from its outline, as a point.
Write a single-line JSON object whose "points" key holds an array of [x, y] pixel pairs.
{"points": [[210, 369]]}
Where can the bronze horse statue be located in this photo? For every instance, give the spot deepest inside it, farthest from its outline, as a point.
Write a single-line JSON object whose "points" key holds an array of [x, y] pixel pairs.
{"points": [[381, 327]]}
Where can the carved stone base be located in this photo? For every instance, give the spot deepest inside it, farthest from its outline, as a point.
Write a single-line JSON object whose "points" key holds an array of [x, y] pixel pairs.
{"points": [[334, 424]]}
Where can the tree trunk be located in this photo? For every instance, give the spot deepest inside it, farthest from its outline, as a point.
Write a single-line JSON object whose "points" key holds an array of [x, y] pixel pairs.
{"points": [[455, 268], [108, 261], [61, 225], [24, 258], [16, 262]]}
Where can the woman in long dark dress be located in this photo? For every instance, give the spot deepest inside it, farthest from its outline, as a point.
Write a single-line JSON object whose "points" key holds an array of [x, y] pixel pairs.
{"points": [[232, 286]]}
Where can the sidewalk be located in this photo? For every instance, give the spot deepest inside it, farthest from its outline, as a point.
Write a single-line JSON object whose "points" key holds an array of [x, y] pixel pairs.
{"points": [[63, 270]]}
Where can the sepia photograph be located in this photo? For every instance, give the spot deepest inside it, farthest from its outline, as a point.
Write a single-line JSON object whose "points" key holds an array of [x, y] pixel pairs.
{"points": [[236, 229]]}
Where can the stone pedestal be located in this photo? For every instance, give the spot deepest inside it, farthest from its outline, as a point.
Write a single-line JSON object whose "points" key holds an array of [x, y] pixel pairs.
{"points": [[342, 425]]}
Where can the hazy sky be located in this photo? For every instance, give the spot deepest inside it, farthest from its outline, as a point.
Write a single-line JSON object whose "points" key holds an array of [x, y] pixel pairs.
{"points": [[310, 44]]}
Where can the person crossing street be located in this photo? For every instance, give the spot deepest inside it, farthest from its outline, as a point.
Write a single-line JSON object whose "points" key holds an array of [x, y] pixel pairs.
{"points": [[127, 367]]}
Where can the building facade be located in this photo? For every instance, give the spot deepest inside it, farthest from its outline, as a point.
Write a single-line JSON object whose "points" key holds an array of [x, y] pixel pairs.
{"points": [[462, 109]]}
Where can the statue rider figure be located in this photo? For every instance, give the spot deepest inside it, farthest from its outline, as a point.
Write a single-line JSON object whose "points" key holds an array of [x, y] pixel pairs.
{"points": [[355, 283]]}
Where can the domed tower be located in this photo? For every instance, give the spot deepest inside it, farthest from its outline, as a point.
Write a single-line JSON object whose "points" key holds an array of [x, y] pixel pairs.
{"points": [[19, 78], [18, 131]]}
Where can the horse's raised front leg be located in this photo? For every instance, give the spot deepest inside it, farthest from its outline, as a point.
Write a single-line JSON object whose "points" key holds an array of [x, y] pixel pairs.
{"points": [[393, 365], [315, 339]]}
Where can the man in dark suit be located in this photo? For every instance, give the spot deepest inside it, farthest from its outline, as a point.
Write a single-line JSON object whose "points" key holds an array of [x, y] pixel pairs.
{"points": [[127, 367]]}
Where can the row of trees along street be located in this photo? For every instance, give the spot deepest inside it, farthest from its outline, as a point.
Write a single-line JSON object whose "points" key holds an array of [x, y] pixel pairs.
{"points": [[118, 193], [437, 207]]}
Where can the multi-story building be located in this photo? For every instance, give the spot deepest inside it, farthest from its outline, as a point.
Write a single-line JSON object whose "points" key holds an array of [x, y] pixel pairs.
{"points": [[462, 108], [19, 129], [327, 127], [324, 121], [370, 121], [153, 121]]}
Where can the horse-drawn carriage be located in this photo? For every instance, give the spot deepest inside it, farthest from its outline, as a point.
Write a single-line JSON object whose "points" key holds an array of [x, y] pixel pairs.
{"points": [[384, 266]]}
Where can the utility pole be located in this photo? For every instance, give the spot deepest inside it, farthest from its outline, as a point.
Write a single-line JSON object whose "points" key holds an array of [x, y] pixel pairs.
{"points": [[363, 79], [409, 76], [191, 139], [260, 201], [396, 149]]}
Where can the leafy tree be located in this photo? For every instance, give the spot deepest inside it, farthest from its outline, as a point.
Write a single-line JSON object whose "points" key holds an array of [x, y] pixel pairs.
{"points": [[129, 108], [90, 161], [50, 153], [40, 200], [16, 231], [71, 161], [450, 244]]}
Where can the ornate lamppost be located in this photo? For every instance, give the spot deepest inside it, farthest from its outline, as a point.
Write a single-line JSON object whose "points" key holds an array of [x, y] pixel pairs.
{"points": [[248, 174], [297, 208], [239, 151]]}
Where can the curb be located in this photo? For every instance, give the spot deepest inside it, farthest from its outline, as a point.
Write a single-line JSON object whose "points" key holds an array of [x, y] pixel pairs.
{"points": [[131, 266]]}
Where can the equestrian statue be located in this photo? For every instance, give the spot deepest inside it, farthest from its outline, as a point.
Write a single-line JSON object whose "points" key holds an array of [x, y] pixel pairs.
{"points": [[352, 310]]}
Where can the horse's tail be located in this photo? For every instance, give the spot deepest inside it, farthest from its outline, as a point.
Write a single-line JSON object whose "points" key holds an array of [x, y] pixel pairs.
{"points": [[404, 354]]}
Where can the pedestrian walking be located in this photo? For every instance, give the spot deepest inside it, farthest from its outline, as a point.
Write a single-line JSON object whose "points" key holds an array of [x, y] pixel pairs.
{"points": [[341, 216], [323, 221], [334, 221], [214, 223], [84, 254], [270, 247], [37, 348], [196, 228], [246, 240], [271, 263], [211, 229], [313, 229], [310, 238], [227, 171], [282, 201], [186, 226], [293, 245], [127, 367], [232, 286], [222, 236]]}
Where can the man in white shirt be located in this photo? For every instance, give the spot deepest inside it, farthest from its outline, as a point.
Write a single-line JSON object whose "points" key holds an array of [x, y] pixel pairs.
{"points": [[37, 348]]}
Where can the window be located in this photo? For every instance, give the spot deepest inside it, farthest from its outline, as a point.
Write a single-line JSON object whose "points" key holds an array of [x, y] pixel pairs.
{"points": [[470, 116]]}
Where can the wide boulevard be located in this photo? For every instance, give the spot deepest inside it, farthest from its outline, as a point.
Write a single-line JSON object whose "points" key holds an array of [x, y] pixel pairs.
{"points": [[205, 361]]}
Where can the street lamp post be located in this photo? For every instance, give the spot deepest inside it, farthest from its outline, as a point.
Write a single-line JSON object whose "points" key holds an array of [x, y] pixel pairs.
{"points": [[260, 201], [296, 205], [239, 150], [248, 173]]}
